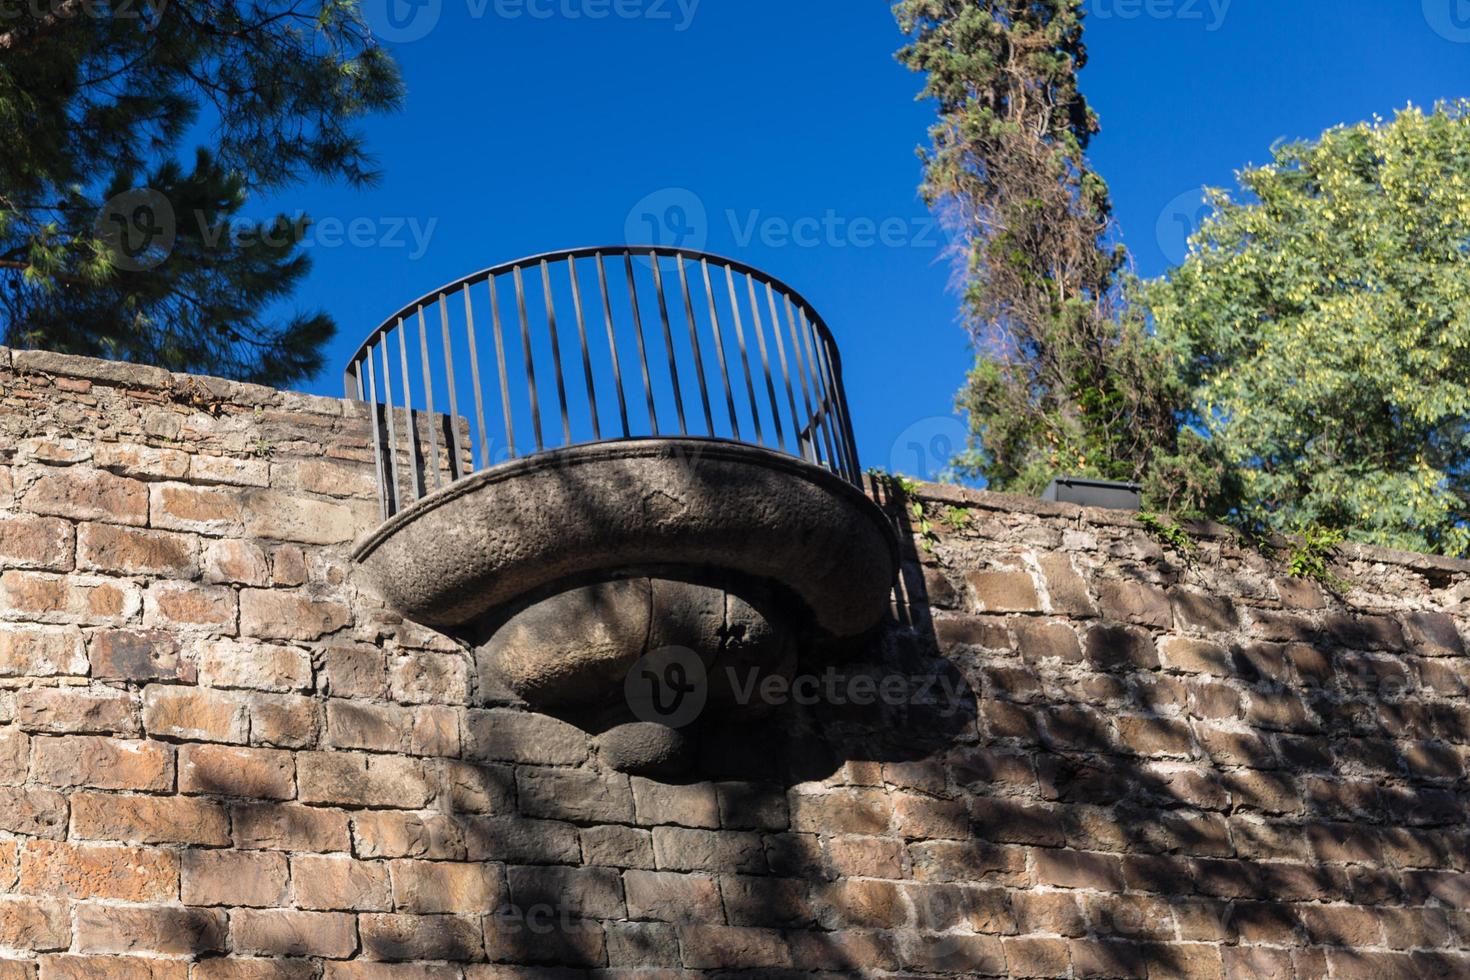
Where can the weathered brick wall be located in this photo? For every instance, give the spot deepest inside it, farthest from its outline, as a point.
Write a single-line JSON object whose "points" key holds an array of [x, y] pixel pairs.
{"points": [[1072, 753]]}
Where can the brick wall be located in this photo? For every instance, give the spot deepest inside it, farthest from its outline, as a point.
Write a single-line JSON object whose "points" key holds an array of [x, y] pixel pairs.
{"points": [[1072, 754]]}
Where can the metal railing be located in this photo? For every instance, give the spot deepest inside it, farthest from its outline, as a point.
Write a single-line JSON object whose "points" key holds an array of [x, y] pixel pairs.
{"points": [[736, 355]]}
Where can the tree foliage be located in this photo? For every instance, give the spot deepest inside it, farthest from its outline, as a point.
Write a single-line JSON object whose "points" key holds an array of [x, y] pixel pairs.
{"points": [[98, 98], [1322, 324], [1066, 378]]}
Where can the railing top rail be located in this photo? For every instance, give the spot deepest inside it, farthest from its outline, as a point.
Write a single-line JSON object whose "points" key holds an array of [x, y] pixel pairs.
{"points": [[587, 252]]}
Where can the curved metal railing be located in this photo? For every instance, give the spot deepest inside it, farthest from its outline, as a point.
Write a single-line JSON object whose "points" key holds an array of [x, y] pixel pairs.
{"points": [[737, 355]]}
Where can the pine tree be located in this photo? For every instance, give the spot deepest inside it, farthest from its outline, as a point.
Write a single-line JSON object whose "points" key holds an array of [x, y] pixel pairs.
{"points": [[113, 243]]}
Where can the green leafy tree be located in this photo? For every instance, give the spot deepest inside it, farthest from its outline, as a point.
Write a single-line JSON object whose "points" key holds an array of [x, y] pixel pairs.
{"points": [[110, 244], [1066, 379], [1322, 321]]}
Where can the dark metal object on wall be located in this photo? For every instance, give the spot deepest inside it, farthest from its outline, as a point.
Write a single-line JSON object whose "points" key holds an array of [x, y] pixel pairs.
{"points": [[1108, 494]]}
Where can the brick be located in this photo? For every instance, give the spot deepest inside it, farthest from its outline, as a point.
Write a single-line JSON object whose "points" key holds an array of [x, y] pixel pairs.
{"points": [[148, 820], [544, 935], [130, 459], [441, 887], [234, 878], [197, 714], [363, 970], [842, 811], [70, 967], [420, 677], [1433, 634], [690, 805], [713, 947], [1016, 821], [1039, 642], [1092, 959], [1066, 589], [745, 806], [642, 944], [133, 551], [430, 730], [41, 652], [170, 605], [1036, 957], [287, 616], [421, 937], [168, 930], [1203, 611], [865, 904], [34, 924], [1196, 656], [952, 953], [968, 861], [36, 543], [73, 598], [1120, 647], [288, 565], [87, 495], [15, 757], [1078, 869], [84, 871], [254, 666], [856, 856], [353, 779], [289, 827], [288, 932], [1135, 602], [229, 470], [575, 795], [102, 763], [390, 834], [671, 897], [334, 479], [518, 736], [76, 711], [680, 849], [340, 883], [204, 510], [972, 631], [353, 671], [138, 655], [1003, 592], [219, 770], [277, 516], [587, 893], [464, 787], [237, 968], [916, 816], [760, 901], [285, 721], [618, 847], [230, 562], [33, 812]]}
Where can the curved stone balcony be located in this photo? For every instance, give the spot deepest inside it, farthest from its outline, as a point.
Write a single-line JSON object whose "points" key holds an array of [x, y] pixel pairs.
{"points": [[689, 511]]}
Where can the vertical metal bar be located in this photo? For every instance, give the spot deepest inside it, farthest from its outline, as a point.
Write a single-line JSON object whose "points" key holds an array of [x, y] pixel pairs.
{"points": [[760, 336], [785, 370], [810, 431], [429, 401], [709, 420], [755, 409], [663, 313], [415, 451], [612, 343], [530, 361], [392, 434], [373, 407], [832, 358], [642, 350], [561, 386], [510, 429], [586, 357], [714, 317], [469, 319], [451, 374], [819, 382]]}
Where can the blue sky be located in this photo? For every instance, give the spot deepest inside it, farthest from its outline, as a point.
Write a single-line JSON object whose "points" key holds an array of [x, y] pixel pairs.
{"points": [[783, 134]]}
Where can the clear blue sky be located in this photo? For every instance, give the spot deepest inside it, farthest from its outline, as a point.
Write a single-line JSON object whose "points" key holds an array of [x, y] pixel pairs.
{"points": [[527, 129]]}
